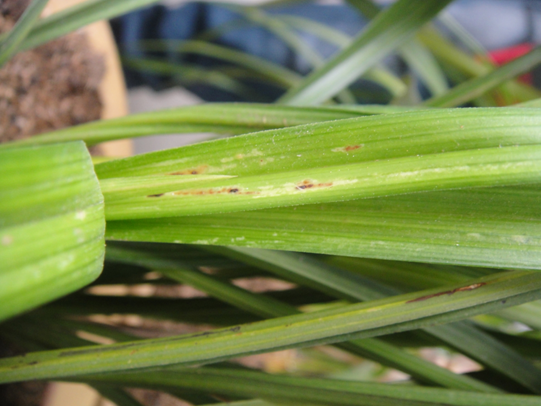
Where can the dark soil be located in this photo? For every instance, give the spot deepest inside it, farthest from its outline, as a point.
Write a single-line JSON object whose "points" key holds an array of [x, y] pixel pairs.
{"points": [[49, 87]]}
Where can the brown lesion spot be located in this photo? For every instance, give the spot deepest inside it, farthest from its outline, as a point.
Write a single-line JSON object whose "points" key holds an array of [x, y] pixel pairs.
{"points": [[191, 171], [306, 184], [448, 292], [348, 148], [224, 190], [157, 195]]}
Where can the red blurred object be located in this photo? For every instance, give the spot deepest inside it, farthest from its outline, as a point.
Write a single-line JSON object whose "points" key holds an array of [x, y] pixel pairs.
{"points": [[502, 56]]}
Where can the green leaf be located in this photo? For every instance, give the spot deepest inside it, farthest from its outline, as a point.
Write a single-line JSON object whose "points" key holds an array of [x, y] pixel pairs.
{"points": [[269, 307], [296, 390], [186, 74], [375, 42], [342, 284], [51, 225], [315, 146], [448, 53], [423, 63], [222, 118], [478, 168], [78, 16], [476, 87], [420, 60], [399, 313], [277, 73], [380, 75], [492, 227], [116, 395], [9, 45]]}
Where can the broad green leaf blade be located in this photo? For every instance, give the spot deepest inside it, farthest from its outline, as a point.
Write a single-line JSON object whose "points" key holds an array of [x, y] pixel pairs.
{"points": [[492, 227], [296, 390], [51, 225], [9, 45], [476, 87], [78, 16], [340, 142], [269, 307], [459, 169], [222, 118], [399, 313], [386, 32]]}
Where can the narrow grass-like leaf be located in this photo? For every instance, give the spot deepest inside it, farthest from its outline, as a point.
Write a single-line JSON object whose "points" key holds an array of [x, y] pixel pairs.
{"points": [[412, 276], [380, 75], [9, 45], [267, 68], [294, 390], [185, 74], [476, 87], [77, 16], [51, 225], [413, 52], [399, 313], [337, 282], [386, 32], [450, 54], [223, 118], [267, 307], [117, 395], [422, 62]]}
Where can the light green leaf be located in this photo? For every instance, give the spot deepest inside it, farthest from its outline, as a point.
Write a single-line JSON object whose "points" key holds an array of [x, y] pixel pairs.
{"points": [[340, 142], [496, 227], [478, 168], [51, 225]]}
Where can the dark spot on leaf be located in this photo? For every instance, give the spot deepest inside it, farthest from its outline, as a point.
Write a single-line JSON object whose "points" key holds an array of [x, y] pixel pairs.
{"points": [[306, 184], [158, 195], [192, 171], [351, 147], [448, 292], [199, 192]]}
